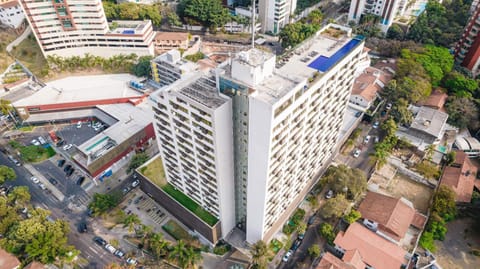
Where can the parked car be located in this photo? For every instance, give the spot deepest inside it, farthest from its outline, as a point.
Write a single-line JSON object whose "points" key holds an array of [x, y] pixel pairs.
{"points": [[79, 125], [15, 161], [135, 183], [370, 224], [42, 186], [131, 261], [375, 125], [356, 153], [126, 190], [82, 227], [67, 147], [287, 256], [376, 139], [301, 236], [42, 140], [67, 168], [119, 253], [35, 142], [389, 106], [358, 114], [367, 139], [296, 244], [70, 172], [80, 180], [311, 220], [53, 181], [329, 194], [61, 162], [100, 241], [35, 180]]}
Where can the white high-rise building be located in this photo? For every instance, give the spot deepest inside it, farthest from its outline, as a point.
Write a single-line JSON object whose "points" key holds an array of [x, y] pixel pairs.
{"points": [[76, 27], [194, 127], [275, 14], [387, 10], [260, 130]]}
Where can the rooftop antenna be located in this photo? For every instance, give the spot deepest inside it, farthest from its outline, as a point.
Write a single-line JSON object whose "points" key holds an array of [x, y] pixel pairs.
{"points": [[253, 24]]}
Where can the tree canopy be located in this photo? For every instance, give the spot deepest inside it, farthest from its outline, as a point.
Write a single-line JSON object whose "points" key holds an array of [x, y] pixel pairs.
{"points": [[132, 11], [343, 179], [294, 33], [209, 13], [444, 202], [143, 68], [102, 203], [137, 161], [462, 112], [334, 207], [6, 173], [260, 255]]}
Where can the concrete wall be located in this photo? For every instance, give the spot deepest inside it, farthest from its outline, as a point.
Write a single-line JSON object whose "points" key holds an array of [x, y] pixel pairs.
{"points": [[212, 234]]}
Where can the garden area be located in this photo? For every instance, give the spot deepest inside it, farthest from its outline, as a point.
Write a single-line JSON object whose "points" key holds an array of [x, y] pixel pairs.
{"points": [[32, 153], [28, 53], [176, 231], [154, 171], [190, 204], [295, 222]]}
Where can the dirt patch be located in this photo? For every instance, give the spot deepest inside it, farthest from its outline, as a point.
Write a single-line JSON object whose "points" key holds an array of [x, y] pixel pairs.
{"points": [[402, 186], [454, 251]]}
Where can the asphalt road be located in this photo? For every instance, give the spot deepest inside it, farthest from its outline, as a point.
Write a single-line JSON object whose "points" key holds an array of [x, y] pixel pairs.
{"points": [[96, 257]]}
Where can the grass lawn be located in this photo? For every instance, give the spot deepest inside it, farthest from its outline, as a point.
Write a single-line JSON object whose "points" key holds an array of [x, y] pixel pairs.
{"points": [[190, 204], [176, 231], [154, 172], [28, 53]]}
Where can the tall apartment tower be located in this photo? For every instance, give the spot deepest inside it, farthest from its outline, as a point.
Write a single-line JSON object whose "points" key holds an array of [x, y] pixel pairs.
{"points": [[275, 14], [259, 130], [385, 9], [75, 27], [467, 50], [195, 133]]}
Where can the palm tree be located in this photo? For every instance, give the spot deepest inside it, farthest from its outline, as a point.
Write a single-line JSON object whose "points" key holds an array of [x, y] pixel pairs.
{"points": [[185, 256], [130, 222], [260, 255], [158, 245]]}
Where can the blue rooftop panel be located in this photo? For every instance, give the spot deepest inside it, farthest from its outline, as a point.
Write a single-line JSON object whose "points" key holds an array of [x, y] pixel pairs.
{"points": [[128, 32], [323, 63]]}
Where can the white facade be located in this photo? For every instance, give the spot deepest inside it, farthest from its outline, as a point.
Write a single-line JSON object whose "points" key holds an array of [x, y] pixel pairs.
{"points": [[76, 27], [275, 14], [295, 113], [194, 127], [387, 10], [11, 14]]}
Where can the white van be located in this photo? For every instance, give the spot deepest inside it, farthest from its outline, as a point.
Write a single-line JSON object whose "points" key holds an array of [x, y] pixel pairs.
{"points": [[42, 140]]}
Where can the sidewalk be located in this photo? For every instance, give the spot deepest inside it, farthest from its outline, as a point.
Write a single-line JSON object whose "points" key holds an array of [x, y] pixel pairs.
{"points": [[19, 39]]}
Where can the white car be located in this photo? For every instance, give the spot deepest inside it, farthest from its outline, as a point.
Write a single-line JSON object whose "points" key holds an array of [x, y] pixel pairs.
{"points": [[42, 186], [67, 147], [42, 140], [35, 142], [367, 139], [79, 125], [287, 256], [375, 125], [35, 180], [389, 106], [356, 153], [135, 183], [110, 248], [131, 261]]}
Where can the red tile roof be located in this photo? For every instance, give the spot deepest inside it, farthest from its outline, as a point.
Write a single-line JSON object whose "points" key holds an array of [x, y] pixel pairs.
{"points": [[370, 82], [436, 99], [171, 36], [419, 220], [329, 261], [8, 261], [9, 4], [394, 215], [460, 176], [373, 249], [34, 265]]}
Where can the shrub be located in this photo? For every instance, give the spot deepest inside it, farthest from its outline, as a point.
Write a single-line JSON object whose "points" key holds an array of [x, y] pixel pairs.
{"points": [[327, 232], [426, 241]]}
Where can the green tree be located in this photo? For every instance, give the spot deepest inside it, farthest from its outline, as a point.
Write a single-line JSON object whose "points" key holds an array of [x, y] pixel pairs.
{"points": [[210, 13], [185, 256], [427, 241], [102, 203], [19, 195], [5, 107], [315, 17], [137, 161], [428, 170], [158, 246], [260, 255], [395, 32], [444, 203], [130, 221], [390, 127], [343, 179], [32, 153], [353, 216], [462, 112], [450, 157], [301, 227], [327, 232], [400, 112], [6, 173], [314, 251], [173, 19], [143, 67], [335, 207], [459, 85]]}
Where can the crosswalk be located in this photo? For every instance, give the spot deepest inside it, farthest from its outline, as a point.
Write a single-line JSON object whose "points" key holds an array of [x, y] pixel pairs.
{"points": [[83, 199]]}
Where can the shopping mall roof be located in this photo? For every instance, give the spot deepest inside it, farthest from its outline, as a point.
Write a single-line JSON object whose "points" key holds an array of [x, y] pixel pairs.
{"points": [[77, 89]]}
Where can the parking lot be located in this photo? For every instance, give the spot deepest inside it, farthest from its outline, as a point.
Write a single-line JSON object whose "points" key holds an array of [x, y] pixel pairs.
{"points": [[74, 135]]}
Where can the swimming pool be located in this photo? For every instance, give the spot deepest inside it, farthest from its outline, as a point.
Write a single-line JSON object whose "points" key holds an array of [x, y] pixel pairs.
{"points": [[323, 63]]}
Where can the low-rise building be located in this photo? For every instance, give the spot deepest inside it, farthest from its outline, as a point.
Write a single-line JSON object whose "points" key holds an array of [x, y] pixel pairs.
{"points": [[165, 41], [170, 67], [391, 217], [366, 87], [436, 100], [460, 177], [11, 14], [350, 260], [468, 144], [375, 251], [8, 261]]}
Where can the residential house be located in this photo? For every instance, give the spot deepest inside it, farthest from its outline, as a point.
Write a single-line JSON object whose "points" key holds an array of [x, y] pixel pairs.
{"points": [[436, 100], [375, 251], [390, 217], [8, 261], [468, 144], [460, 176], [350, 260], [165, 41]]}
